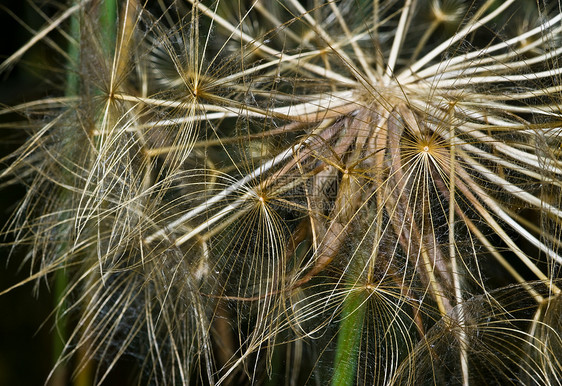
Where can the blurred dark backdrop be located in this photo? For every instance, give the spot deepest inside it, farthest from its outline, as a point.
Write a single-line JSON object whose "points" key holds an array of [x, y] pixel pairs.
{"points": [[25, 346]]}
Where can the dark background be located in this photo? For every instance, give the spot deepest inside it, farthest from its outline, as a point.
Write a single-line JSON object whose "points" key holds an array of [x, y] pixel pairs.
{"points": [[25, 346]]}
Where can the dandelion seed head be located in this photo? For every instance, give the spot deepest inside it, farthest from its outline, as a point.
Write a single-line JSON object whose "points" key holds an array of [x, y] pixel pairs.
{"points": [[266, 167]]}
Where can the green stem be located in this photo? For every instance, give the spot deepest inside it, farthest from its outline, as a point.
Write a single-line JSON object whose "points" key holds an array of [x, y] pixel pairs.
{"points": [[72, 78], [61, 279], [60, 335], [349, 339], [108, 24]]}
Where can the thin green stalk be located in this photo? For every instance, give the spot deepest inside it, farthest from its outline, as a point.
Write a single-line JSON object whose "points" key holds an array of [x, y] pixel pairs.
{"points": [[61, 279], [108, 24], [108, 28], [349, 339], [61, 323], [72, 78], [107, 19]]}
